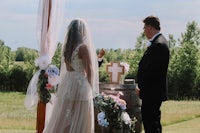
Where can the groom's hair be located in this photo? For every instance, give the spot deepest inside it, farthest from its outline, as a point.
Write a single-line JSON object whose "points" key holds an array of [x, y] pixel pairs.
{"points": [[153, 21]]}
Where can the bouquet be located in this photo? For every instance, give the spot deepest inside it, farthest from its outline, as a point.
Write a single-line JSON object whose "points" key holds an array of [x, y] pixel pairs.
{"points": [[126, 66], [126, 69], [112, 112], [48, 80]]}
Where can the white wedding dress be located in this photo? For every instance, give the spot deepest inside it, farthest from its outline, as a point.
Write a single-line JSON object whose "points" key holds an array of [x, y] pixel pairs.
{"points": [[73, 109]]}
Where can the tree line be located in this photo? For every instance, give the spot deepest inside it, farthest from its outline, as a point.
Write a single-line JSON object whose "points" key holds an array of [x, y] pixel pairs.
{"points": [[17, 67]]}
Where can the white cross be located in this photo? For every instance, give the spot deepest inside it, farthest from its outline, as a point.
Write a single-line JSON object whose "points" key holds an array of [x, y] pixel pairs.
{"points": [[115, 70]]}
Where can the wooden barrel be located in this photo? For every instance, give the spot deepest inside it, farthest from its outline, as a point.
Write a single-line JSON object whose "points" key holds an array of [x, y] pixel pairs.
{"points": [[132, 100]]}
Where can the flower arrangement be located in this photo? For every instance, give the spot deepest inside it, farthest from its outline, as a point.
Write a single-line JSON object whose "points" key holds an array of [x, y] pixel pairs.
{"points": [[48, 79], [126, 69], [112, 112], [126, 66]]}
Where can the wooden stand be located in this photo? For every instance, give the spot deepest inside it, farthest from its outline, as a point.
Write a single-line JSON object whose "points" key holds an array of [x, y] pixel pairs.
{"points": [[41, 109]]}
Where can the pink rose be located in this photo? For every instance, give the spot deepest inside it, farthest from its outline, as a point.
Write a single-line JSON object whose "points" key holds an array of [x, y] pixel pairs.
{"points": [[48, 86]]}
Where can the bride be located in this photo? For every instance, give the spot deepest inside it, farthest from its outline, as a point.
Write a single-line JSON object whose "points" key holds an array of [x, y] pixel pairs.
{"points": [[73, 111]]}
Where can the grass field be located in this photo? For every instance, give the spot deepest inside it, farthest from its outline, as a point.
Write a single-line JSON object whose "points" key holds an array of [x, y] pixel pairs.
{"points": [[177, 116], [13, 114], [189, 126]]}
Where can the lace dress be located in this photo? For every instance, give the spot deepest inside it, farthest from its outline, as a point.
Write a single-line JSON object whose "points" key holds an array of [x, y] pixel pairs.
{"points": [[73, 110]]}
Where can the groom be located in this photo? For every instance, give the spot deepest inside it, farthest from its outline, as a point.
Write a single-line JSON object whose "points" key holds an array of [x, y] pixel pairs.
{"points": [[152, 76]]}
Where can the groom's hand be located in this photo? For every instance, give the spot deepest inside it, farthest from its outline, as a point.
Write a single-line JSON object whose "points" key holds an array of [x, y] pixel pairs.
{"points": [[137, 91]]}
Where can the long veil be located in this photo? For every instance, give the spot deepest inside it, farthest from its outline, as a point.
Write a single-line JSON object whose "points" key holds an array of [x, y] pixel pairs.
{"points": [[70, 98], [87, 40]]}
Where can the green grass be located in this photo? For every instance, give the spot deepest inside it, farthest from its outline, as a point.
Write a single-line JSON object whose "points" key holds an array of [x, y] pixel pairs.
{"points": [[13, 114], [190, 126], [16, 131], [177, 116], [181, 116], [179, 111]]}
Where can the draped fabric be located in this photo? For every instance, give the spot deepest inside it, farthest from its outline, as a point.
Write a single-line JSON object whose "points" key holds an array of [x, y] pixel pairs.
{"points": [[49, 22], [50, 13], [48, 25]]}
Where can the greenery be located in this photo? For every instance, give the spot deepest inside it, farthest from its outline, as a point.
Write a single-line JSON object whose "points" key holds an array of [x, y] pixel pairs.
{"points": [[13, 114], [43, 92], [47, 83], [17, 67], [184, 65], [177, 116], [189, 126], [179, 111]]}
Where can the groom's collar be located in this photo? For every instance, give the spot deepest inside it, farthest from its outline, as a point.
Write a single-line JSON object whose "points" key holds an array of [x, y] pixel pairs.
{"points": [[157, 34], [153, 38]]}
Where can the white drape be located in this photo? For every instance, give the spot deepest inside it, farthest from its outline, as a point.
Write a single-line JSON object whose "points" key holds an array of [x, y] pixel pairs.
{"points": [[50, 14]]}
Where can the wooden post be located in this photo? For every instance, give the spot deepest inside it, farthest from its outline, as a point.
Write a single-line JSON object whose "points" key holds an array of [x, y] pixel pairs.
{"points": [[41, 109]]}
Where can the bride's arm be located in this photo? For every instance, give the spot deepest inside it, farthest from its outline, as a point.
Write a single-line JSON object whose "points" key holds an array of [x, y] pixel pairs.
{"points": [[85, 56]]}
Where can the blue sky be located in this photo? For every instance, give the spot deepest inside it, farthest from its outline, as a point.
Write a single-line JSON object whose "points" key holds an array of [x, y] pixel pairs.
{"points": [[113, 23]]}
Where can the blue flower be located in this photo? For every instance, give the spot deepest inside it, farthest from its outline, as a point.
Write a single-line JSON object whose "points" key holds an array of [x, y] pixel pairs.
{"points": [[101, 119], [52, 71]]}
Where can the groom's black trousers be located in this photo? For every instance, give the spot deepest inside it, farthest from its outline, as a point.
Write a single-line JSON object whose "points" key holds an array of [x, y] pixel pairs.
{"points": [[151, 115]]}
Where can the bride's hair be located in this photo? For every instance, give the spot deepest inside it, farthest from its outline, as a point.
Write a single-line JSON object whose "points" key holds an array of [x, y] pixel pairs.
{"points": [[74, 37]]}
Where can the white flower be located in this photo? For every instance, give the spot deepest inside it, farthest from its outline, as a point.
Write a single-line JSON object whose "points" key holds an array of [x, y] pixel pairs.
{"points": [[126, 118], [122, 106], [126, 66], [43, 61], [53, 75], [120, 94], [53, 80]]}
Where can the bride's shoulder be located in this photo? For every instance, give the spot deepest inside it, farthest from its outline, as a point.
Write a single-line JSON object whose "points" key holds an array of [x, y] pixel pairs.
{"points": [[83, 50], [83, 47]]}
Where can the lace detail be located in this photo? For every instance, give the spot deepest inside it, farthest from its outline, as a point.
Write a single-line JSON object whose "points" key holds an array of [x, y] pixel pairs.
{"points": [[76, 61]]}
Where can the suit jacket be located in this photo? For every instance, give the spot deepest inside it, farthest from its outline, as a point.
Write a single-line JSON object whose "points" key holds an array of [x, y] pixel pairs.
{"points": [[152, 70]]}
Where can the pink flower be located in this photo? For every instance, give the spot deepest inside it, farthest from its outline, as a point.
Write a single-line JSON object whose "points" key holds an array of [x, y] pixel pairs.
{"points": [[122, 102], [126, 66], [113, 97], [48, 86], [118, 100]]}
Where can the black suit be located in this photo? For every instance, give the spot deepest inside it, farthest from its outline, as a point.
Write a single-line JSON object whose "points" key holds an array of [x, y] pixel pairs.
{"points": [[152, 81]]}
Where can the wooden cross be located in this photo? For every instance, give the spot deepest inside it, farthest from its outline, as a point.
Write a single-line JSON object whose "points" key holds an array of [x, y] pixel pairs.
{"points": [[115, 70]]}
